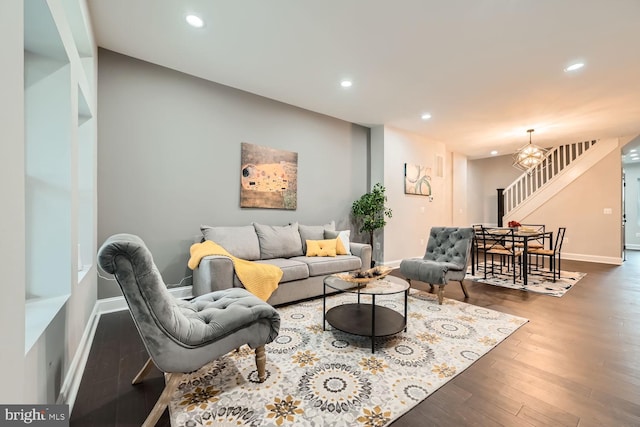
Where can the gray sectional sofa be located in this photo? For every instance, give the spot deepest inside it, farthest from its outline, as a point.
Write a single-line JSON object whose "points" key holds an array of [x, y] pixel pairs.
{"points": [[283, 246]]}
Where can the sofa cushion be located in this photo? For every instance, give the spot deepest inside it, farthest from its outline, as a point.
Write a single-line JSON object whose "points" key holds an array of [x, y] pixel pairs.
{"points": [[292, 269], [313, 232], [342, 244], [322, 266], [241, 241], [321, 247], [278, 241]]}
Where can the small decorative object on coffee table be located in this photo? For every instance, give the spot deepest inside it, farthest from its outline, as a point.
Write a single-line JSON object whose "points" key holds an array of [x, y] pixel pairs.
{"points": [[364, 318], [364, 276]]}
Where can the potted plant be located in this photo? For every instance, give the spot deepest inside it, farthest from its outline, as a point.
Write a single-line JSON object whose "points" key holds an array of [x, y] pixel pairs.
{"points": [[369, 211]]}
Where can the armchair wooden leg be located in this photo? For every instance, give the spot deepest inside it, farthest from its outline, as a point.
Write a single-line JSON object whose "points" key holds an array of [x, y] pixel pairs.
{"points": [[173, 381], [464, 289], [261, 363], [143, 372], [440, 294]]}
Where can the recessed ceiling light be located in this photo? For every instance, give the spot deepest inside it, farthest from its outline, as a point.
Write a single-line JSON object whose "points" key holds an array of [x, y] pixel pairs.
{"points": [[425, 116], [195, 21], [346, 83], [494, 152], [574, 67]]}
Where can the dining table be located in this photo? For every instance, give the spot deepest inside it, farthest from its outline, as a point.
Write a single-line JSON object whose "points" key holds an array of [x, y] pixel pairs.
{"points": [[521, 235]]}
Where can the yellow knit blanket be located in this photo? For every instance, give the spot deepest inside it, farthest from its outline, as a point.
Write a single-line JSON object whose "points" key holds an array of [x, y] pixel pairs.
{"points": [[259, 279]]}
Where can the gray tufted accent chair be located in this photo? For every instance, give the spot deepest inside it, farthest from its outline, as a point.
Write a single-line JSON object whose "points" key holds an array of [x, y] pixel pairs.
{"points": [[182, 336], [445, 259]]}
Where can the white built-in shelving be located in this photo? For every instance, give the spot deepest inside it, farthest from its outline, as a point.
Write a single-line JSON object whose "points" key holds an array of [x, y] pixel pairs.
{"points": [[60, 153]]}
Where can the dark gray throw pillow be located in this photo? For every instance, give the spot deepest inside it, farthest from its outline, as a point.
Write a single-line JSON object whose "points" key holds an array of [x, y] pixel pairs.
{"points": [[313, 232], [278, 241], [240, 241]]}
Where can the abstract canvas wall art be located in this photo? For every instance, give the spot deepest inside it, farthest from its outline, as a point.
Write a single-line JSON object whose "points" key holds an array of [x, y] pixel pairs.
{"points": [[268, 178], [417, 180]]}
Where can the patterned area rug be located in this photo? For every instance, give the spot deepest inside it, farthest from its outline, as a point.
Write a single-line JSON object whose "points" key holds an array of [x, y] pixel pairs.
{"points": [[318, 378], [536, 282]]}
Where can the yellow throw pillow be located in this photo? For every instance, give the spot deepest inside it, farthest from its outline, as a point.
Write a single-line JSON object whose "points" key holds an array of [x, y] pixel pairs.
{"points": [[321, 247], [343, 246]]}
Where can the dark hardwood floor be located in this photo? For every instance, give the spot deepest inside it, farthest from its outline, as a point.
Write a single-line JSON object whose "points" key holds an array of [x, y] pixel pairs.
{"points": [[576, 363]]}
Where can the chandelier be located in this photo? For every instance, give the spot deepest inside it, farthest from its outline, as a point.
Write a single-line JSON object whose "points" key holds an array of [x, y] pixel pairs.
{"points": [[529, 155]]}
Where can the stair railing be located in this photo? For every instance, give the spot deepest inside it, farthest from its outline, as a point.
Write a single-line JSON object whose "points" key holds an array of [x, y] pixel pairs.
{"points": [[529, 182]]}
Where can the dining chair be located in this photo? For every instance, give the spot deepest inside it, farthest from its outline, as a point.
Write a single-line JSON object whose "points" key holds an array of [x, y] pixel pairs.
{"points": [[501, 242], [554, 254], [537, 228], [476, 248], [479, 243], [537, 243]]}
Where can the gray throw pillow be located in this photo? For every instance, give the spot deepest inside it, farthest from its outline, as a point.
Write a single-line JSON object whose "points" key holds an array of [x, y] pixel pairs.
{"points": [[278, 241], [241, 241], [344, 236], [313, 232]]}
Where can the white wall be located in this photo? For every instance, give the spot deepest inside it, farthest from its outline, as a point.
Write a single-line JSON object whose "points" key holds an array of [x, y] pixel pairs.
{"points": [[484, 177], [37, 375], [591, 234], [12, 214], [459, 190], [407, 232]]}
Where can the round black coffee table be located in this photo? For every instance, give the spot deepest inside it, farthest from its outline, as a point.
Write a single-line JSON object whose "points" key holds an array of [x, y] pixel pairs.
{"points": [[367, 319]]}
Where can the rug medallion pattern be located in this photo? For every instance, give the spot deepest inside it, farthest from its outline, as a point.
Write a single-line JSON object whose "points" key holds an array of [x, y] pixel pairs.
{"points": [[317, 378]]}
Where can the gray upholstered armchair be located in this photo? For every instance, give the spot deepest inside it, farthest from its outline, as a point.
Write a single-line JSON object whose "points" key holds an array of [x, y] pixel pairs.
{"points": [[182, 336], [445, 260]]}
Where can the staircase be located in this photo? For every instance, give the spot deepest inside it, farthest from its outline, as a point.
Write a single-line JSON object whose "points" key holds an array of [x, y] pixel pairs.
{"points": [[561, 166]]}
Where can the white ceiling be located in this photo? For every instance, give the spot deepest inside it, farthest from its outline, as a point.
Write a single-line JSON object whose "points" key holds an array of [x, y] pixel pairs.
{"points": [[487, 70]]}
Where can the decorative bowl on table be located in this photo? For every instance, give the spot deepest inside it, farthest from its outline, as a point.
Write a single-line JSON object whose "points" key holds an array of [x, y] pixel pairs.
{"points": [[362, 277], [527, 230]]}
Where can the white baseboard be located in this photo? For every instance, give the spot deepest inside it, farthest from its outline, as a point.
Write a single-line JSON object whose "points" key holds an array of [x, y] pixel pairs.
{"points": [[392, 264], [632, 247], [592, 258], [69, 390], [565, 256], [109, 305]]}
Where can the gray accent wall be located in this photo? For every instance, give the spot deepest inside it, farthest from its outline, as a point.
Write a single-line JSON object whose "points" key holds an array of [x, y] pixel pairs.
{"points": [[169, 159]]}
